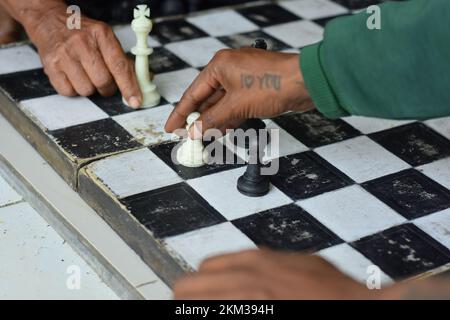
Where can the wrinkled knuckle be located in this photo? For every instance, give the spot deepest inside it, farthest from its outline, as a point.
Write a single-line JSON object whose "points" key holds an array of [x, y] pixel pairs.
{"points": [[62, 52], [101, 28], [104, 82], [86, 91], [66, 91], [95, 60], [191, 97], [223, 55], [77, 38], [121, 66], [50, 62]]}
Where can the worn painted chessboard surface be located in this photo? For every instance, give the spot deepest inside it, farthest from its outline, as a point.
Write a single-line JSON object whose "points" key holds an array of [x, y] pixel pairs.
{"points": [[73, 132], [357, 191]]}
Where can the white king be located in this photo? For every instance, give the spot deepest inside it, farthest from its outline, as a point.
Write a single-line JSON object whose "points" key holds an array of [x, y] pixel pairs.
{"points": [[142, 25]]}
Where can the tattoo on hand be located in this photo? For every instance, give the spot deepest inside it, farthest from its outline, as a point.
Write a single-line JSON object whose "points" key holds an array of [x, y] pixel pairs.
{"points": [[266, 82]]}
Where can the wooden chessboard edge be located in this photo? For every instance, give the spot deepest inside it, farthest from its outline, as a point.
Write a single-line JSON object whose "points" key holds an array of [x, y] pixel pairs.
{"points": [[38, 138], [146, 246]]}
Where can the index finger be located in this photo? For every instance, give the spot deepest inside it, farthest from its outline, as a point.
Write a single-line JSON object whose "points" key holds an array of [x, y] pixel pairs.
{"points": [[120, 68], [201, 88]]}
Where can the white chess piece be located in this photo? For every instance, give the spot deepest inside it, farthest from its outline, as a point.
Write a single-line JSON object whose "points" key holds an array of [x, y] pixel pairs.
{"points": [[142, 25], [192, 153]]}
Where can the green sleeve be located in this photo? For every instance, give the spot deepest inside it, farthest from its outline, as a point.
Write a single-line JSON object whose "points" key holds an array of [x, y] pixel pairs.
{"points": [[401, 71]]}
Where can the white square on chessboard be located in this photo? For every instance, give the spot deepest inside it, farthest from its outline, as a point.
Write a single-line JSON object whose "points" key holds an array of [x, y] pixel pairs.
{"points": [[196, 246], [56, 112], [223, 23], [283, 146], [361, 158], [441, 125], [351, 262], [134, 172], [196, 52], [17, 59], [171, 85], [7, 194], [351, 212], [369, 125], [226, 199], [127, 38], [297, 34], [437, 225], [314, 9], [439, 171], [147, 126], [287, 144]]}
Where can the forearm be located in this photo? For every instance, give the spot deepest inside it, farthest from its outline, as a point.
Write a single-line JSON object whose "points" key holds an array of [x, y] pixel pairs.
{"points": [[395, 72], [30, 13]]}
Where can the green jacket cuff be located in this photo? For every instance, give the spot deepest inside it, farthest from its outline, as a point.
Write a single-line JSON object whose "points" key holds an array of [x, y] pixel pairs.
{"points": [[317, 84]]}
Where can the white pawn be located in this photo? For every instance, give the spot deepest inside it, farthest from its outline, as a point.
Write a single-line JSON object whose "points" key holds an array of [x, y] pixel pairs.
{"points": [[192, 153], [142, 25]]}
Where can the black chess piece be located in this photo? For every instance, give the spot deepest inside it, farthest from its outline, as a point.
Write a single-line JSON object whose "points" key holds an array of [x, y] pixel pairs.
{"points": [[256, 124], [260, 44], [252, 183]]}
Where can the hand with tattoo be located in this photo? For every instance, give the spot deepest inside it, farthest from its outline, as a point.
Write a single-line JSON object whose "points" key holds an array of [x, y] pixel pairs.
{"points": [[238, 84]]}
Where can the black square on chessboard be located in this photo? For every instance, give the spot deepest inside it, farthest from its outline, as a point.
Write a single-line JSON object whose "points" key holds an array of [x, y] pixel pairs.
{"points": [[268, 15], [95, 138], [287, 228], [246, 39], [162, 60], [414, 143], [114, 105], [306, 174], [176, 30], [314, 130], [410, 193], [164, 151], [403, 251], [172, 210], [27, 84]]}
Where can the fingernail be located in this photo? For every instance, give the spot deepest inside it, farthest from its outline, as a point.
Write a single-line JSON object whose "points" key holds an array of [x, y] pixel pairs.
{"points": [[134, 102]]}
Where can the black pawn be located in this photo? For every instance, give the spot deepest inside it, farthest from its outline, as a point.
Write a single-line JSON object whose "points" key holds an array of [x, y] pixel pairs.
{"points": [[252, 183], [260, 44]]}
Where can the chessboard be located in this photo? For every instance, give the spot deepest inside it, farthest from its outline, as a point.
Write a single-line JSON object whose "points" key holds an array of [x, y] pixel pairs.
{"points": [[357, 191]]}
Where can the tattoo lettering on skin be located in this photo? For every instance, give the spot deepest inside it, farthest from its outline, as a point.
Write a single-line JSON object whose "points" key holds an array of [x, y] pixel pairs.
{"points": [[267, 81], [247, 81]]}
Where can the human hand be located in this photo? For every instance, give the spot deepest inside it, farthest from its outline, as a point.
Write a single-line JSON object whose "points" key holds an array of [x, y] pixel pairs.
{"points": [[86, 60], [240, 84], [9, 28], [265, 274]]}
